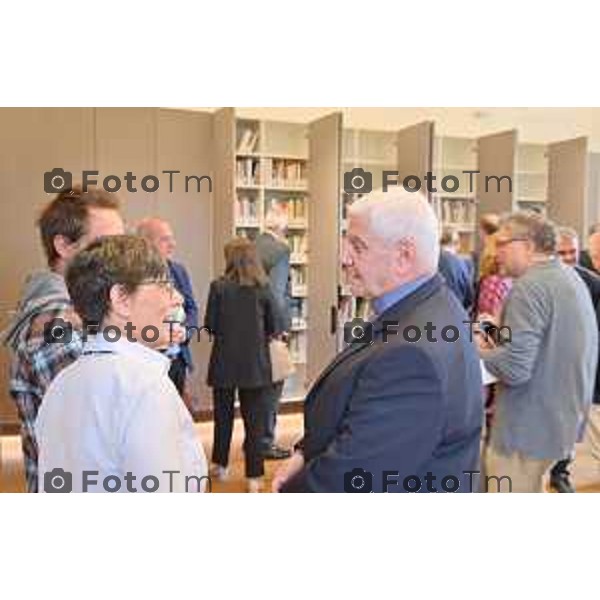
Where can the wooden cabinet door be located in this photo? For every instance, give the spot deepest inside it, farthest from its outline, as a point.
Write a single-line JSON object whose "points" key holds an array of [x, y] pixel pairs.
{"points": [[567, 184], [32, 142], [323, 255], [496, 158], [415, 152]]}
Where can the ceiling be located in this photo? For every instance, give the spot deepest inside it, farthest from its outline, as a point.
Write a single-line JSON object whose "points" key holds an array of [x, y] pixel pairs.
{"points": [[537, 125]]}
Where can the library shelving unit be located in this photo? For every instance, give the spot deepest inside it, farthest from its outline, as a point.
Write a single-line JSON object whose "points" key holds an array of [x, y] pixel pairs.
{"points": [[552, 179], [531, 178], [374, 152], [409, 152], [452, 157], [266, 164]]}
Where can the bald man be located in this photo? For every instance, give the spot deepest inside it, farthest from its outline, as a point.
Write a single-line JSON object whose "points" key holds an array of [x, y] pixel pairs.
{"points": [[159, 233]]}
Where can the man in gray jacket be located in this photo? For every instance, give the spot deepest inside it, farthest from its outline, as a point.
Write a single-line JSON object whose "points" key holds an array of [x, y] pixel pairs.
{"points": [[274, 253], [547, 365]]}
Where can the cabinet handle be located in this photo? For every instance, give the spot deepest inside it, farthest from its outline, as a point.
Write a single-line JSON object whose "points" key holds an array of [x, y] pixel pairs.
{"points": [[334, 318]]}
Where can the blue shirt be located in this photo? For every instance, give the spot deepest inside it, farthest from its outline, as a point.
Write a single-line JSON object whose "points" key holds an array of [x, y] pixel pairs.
{"points": [[115, 411], [381, 304]]}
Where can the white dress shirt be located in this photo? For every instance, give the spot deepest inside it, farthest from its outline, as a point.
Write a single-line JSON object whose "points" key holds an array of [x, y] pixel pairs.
{"points": [[115, 413]]}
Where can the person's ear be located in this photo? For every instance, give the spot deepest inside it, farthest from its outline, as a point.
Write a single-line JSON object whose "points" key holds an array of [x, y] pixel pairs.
{"points": [[64, 247], [405, 254], [120, 302]]}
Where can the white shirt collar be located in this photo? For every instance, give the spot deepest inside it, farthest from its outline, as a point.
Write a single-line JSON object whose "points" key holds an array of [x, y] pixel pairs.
{"points": [[123, 347]]}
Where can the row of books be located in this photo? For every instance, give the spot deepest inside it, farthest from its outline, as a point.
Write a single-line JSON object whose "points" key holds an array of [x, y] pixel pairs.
{"points": [[298, 278], [285, 173], [298, 244], [248, 141], [351, 308], [298, 310], [457, 211], [246, 210], [294, 205], [247, 171], [297, 346]]}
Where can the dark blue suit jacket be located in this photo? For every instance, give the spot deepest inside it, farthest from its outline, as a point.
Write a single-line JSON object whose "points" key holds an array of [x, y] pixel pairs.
{"points": [[411, 408], [183, 284], [458, 274]]}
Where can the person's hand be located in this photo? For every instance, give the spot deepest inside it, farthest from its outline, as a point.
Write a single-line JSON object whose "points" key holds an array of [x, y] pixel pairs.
{"points": [[487, 317], [178, 336], [484, 341], [287, 471]]}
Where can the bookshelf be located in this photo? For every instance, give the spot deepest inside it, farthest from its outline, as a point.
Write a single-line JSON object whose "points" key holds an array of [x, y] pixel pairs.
{"points": [[452, 156], [265, 163], [409, 152], [530, 181], [375, 152]]}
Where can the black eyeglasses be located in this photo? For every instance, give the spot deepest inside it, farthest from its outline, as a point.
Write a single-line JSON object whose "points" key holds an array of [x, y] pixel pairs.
{"points": [[166, 284], [504, 242]]}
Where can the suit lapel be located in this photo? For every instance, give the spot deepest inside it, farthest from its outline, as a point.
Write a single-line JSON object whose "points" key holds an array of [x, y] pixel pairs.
{"points": [[393, 313]]}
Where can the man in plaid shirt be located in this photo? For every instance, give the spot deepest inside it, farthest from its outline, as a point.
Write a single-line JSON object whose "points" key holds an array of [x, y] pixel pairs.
{"points": [[44, 336]]}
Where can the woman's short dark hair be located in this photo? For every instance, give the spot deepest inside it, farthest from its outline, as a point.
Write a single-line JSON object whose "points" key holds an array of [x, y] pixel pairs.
{"points": [[67, 215], [242, 264], [126, 260]]}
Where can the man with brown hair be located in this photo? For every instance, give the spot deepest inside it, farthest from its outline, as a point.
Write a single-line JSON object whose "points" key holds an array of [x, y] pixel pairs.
{"points": [[43, 336]]}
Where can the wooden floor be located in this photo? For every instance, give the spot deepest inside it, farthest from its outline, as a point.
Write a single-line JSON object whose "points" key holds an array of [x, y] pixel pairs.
{"points": [[586, 473]]}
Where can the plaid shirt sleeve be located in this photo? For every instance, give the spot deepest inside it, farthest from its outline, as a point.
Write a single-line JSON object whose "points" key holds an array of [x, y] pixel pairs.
{"points": [[48, 356], [37, 363]]}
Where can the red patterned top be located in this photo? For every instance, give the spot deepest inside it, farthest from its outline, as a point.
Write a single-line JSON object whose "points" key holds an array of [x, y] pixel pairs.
{"points": [[493, 291]]}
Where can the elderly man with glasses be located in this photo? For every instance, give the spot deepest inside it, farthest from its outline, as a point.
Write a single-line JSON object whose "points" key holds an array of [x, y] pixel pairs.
{"points": [[547, 365]]}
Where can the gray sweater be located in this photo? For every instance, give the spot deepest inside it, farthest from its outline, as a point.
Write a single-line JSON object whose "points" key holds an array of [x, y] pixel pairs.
{"points": [[547, 370]]}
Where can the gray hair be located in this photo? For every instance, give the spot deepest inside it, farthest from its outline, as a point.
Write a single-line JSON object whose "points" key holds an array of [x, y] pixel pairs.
{"points": [[398, 215], [567, 232], [146, 227], [533, 227]]}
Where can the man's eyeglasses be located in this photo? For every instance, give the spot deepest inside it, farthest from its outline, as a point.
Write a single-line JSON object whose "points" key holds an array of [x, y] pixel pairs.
{"points": [[501, 242]]}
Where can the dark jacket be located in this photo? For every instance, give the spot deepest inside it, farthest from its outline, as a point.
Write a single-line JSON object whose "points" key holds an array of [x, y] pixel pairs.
{"points": [[585, 260], [275, 258], [183, 285], [241, 320], [408, 408], [592, 281], [458, 275]]}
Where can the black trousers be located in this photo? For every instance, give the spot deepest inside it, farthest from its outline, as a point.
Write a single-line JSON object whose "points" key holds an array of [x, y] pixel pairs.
{"points": [[177, 372], [271, 414], [253, 406]]}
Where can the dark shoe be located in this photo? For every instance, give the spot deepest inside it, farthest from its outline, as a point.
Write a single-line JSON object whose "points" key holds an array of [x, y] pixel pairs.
{"points": [[276, 453], [559, 482]]}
